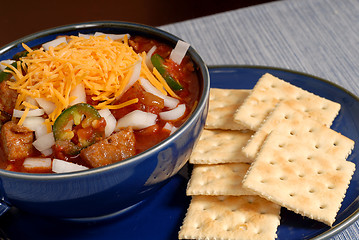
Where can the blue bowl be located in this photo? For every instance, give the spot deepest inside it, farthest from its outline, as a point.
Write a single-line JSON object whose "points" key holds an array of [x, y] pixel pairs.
{"points": [[105, 191]]}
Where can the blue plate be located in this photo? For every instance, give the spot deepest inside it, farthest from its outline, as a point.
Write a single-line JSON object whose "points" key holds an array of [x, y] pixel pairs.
{"points": [[160, 217]]}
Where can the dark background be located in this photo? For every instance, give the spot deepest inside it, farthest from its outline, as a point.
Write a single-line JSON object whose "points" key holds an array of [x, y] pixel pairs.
{"points": [[19, 18]]}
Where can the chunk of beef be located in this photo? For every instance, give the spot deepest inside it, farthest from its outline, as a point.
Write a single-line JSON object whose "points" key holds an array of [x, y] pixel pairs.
{"points": [[16, 141], [114, 148], [8, 98]]}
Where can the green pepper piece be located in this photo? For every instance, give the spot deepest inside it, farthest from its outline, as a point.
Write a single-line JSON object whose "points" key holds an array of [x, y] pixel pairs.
{"points": [[157, 62], [6, 75], [81, 113]]}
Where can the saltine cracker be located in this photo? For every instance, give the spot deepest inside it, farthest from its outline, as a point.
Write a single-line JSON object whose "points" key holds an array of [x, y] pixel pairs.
{"points": [[218, 179], [220, 146], [302, 166], [230, 218], [223, 103], [269, 90]]}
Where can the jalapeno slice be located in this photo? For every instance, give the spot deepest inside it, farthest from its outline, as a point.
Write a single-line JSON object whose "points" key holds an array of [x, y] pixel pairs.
{"points": [[78, 127], [6, 75], [158, 63]]}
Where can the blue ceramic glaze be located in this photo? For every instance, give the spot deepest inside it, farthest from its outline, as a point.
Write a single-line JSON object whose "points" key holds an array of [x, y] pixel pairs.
{"points": [[106, 190]]}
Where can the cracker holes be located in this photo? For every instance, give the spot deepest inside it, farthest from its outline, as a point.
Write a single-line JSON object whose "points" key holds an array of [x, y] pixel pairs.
{"points": [[338, 168], [283, 178], [292, 133], [322, 207], [205, 207], [311, 130], [301, 175], [198, 226], [286, 116], [320, 172], [291, 194], [317, 146], [263, 181], [234, 209], [215, 217], [312, 190], [309, 157], [325, 107], [272, 163], [298, 97], [331, 187], [222, 198], [262, 212], [335, 144], [290, 160], [250, 200]]}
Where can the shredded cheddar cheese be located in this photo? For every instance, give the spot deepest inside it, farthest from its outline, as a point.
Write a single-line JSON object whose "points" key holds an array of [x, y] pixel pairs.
{"points": [[165, 85], [102, 65], [22, 119]]}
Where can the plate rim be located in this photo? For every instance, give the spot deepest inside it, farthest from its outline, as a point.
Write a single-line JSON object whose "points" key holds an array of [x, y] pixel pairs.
{"points": [[352, 218]]}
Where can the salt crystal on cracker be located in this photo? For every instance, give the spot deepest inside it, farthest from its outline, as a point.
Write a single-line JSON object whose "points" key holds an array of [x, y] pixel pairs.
{"points": [[230, 218], [302, 166], [223, 103], [218, 179], [220, 146], [269, 90]]}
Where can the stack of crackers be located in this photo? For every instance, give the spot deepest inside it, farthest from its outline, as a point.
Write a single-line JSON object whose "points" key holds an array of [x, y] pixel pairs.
{"points": [[263, 149]]}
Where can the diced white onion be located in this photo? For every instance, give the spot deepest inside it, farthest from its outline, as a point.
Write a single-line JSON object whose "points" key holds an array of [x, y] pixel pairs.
{"points": [[79, 93], [148, 57], [44, 142], [136, 119], [33, 122], [47, 152], [170, 128], [61, 166], [31, 163], [104, 112], [173, 130], [36, 124], [54, 43], [135, 75], [31, 113], [174, 113], [31, 101], [112, 36], [86, 36], [2, 66], [110, 121], [169, 102], [48, 106], [41, 130], [179, 51]]}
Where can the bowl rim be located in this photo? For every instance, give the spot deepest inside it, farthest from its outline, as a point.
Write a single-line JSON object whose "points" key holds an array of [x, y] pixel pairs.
{"points": [[203, 69]]}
